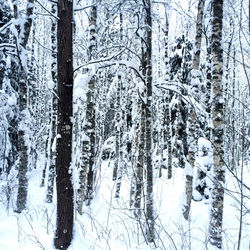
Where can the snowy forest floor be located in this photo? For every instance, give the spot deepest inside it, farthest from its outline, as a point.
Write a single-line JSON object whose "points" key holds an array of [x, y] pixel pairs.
{"points": [[110, 224]]}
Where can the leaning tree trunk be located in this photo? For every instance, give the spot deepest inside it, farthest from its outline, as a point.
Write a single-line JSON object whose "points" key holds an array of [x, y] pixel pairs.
{"points": [[24, 117], [193, 121], [215, 227], [64, 227]]}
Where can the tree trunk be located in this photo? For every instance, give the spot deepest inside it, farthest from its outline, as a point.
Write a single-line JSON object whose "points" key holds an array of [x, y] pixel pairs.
{"points": [[52, 163], [64, 227], [11, 135], [139, 163], [193, 121], [90, 114], [198, 37], [208, 87], [119, 141], [148, 126], [233, 162], [24, 118], [215, 227], [167, 116], [117, 129]]}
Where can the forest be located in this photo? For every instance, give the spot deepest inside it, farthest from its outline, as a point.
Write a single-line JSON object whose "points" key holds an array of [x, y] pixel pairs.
{"points": [[124, 124]]}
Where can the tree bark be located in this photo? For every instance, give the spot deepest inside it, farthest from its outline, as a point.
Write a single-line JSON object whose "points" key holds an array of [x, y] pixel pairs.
{"points": [[198, 36], [52, 164], [90, 115], [23, 35], [64, 227], [193, 121], [140, 163], [148, 126], [6, 37], [215, 227]]}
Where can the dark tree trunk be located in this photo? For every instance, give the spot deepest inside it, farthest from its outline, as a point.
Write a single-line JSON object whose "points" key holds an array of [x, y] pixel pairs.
{"points": [[148, 126], [215, 228], [64, 187]]}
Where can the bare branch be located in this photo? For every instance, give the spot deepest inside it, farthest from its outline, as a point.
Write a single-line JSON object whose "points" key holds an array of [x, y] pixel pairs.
{"points": [[47, 10]]}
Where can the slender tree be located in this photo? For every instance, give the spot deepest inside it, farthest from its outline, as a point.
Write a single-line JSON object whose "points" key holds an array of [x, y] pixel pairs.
{"points": [[64, 227], [215, 227], [193, 121], [52, 162], [24, 115], [148, 124], [8, 73], [90, 114]]}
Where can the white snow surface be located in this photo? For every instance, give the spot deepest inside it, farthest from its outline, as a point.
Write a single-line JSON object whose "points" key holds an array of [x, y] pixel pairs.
{"points": [[81, 87], [109, 223]]}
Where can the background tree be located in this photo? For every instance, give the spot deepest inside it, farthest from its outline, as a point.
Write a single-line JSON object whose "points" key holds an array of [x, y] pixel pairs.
{"points": [[215, 229], [23, 31]]}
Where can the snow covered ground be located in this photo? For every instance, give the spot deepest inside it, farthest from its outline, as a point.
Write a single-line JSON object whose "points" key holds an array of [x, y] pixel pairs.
{"points": [[109, 223]]}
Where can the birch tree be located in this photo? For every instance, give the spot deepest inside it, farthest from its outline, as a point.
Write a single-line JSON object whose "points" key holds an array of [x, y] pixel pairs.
{"points": [[52, 161], [148, 124], [23, 31], [193, 121], [215, 227], [9, 89], [90, 114]]}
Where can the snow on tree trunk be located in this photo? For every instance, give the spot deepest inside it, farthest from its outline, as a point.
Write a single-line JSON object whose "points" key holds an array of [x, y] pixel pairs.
{"points": [[167, 118], [23, 29], [233, 161], [53, 87], [8, 87], [117, 129], [202, 182], [198, 37], [208, 87], [140, 162], [90, 114], [148, 125], [120, 141], [64, 218], [215, 227], [193, 121], [80, 139]]}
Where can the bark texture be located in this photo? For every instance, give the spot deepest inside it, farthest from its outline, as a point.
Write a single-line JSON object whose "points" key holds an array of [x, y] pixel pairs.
{"points": [[64, 227], [23, 35], [90, 115], [215, 227], [198, 36], [140, 163], [193, 121], [52, 166], [148, 126], [10, 73]]}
